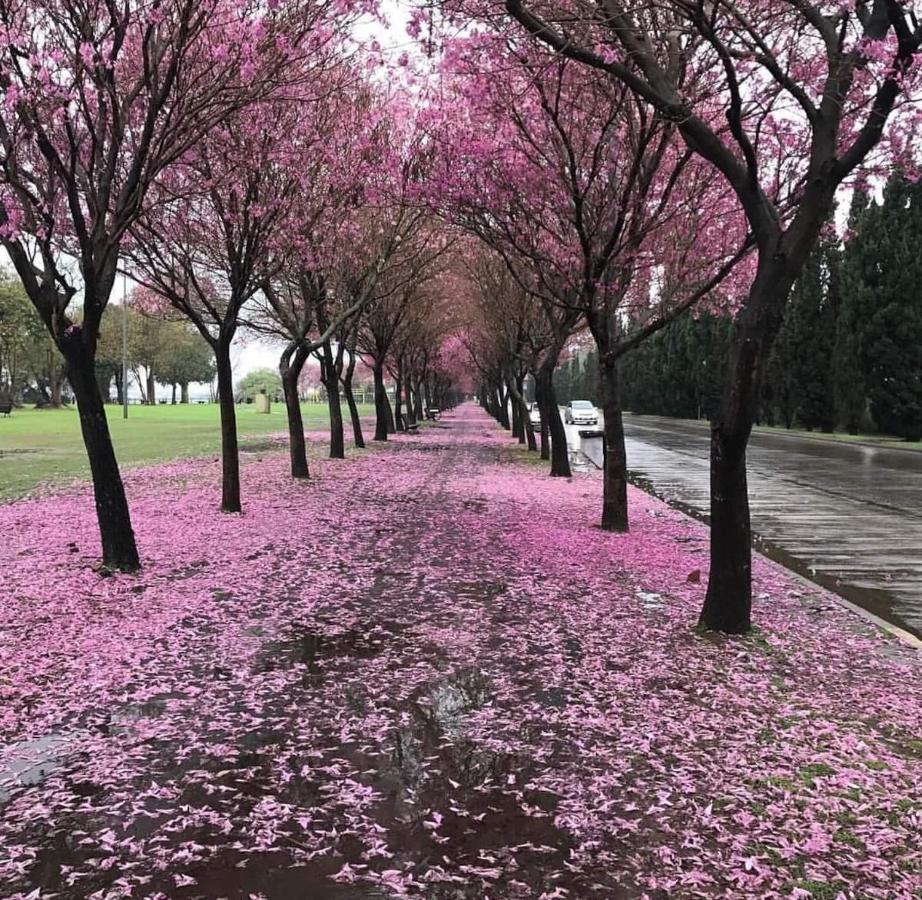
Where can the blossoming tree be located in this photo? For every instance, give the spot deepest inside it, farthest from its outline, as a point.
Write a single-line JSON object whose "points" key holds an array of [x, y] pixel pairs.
{"points": [[799, 95], [99, 99]]}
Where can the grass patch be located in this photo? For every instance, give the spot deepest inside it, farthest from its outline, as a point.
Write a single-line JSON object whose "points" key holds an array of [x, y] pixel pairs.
{"points": [[45, 446], [880, 440], [809, 774], [822, 890]]}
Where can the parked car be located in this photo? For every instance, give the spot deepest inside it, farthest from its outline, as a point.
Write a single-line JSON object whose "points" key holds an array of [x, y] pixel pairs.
{"points": [[580, 412], [534, 413]]}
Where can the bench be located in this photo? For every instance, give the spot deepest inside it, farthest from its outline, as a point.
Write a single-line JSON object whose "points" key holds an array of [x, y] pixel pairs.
{"points": [[6, 407], [412, 429], [433, 413]]}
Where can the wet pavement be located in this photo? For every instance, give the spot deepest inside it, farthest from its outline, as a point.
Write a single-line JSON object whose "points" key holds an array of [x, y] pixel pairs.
{"points": [[848, 516]]}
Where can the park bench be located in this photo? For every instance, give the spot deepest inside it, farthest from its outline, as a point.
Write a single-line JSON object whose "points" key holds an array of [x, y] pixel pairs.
{"points": [[6, 407], [433, 413]]}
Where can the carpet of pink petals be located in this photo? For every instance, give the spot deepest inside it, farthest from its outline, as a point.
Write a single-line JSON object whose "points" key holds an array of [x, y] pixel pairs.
{"points": [[426, 673]]}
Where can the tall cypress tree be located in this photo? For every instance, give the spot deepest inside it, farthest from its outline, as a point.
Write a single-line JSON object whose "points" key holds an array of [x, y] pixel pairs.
{"points": [[859, 253], [890, 306], [817, 301]]}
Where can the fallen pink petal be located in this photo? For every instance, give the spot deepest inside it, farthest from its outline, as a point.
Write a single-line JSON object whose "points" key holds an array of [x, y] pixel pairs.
{"points": [[265, 709]]}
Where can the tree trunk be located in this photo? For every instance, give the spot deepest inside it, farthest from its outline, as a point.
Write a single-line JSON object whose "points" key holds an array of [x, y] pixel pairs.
{"points": [[518, 423], [408, 401], [728, 602], [184, 392], [614, 471], [530, 434], [104, 379], [502, 408], [389, 412], [419, 412], [357, 436], [381, 404], [399, 424], [516, 386], [290, 368], [119, 550], [230, 456], [119, 387], [151, 388], [550, 419], [57, 391], [173, 399], [337, 439], [330, 378]]}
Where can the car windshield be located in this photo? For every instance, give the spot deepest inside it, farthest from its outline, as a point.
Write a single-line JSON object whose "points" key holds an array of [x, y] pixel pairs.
{"points": [[582, 404]]}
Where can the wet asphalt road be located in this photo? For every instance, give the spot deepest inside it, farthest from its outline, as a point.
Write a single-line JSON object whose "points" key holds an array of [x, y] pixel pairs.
{"points": [[848, 516]]}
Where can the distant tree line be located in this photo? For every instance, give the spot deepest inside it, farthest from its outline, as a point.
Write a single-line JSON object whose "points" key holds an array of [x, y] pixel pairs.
{"points": [[158, 351], [849, 352]]}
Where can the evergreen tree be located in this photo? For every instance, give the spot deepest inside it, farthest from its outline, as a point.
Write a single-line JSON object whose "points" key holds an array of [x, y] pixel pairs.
{"points": [[888, 302], [815, 300], [849, 394]]}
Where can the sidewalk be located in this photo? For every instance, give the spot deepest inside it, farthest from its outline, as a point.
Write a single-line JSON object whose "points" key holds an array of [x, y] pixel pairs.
{"points": [[425, 673]]}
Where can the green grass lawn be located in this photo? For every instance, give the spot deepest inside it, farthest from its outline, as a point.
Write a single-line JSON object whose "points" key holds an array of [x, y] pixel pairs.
{"points": [[45, 446], [879, 440]]}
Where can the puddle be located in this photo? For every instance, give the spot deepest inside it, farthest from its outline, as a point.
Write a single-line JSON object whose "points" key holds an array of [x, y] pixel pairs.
{"points": [[28, 763], [310, 647]]}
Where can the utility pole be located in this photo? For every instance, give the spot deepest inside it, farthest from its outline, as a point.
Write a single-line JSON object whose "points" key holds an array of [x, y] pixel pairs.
{"points": [[124, 346]]}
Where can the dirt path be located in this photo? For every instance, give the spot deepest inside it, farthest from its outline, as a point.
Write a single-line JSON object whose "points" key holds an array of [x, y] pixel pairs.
{"points": [[425, 673]]}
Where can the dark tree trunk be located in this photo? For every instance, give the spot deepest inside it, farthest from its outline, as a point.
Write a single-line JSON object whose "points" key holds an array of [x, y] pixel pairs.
{"points": [[382, 407], [550, 419], [119, 550], [614, 472], [290, 371], [184, 392], [526, 415], [104, 380], [389, 412], [230, 456], [518, 424], [408, 400], [330, 377], [530, 434], [419, 412], [502, 408], [399, 424], [357, 436], [151, 388], [119, 387], [173, 399], [337, 438], [728, 602], [516, 386]]}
